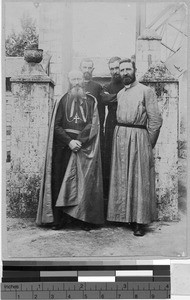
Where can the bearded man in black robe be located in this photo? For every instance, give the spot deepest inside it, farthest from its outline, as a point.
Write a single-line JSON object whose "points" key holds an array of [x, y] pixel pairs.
{"points": [[96, 90], [72, 179]]}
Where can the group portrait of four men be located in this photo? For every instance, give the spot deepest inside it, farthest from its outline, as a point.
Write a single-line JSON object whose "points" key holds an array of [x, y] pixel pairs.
{"points": [[100, 167]]}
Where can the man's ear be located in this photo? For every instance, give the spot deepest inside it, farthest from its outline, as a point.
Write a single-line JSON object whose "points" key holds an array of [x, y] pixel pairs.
{"points": [[93, 70]]}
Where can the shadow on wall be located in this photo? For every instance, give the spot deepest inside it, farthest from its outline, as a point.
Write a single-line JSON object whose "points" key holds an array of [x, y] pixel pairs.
{"points": [[182, 183]]}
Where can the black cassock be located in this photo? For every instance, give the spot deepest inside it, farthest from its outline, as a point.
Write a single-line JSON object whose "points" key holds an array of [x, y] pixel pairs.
{"points": [[95, 89]]}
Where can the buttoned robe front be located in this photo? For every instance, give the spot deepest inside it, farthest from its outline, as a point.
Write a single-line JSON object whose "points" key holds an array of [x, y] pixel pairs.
{"points": [[132, 181]]}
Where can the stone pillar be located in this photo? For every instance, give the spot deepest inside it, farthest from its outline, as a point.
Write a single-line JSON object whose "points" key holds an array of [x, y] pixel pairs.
{"points": [[148, 51], [55, 36], [31, 108], [166, 88], [140, 18]]}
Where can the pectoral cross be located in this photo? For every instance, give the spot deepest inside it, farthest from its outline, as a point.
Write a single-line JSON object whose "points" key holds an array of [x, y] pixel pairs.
{"points": [[76, 118]]}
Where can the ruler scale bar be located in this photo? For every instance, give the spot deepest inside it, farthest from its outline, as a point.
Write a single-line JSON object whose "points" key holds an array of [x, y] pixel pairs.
{"points": [[93, 290], [87, 295], [85, 281], [85, 285]]}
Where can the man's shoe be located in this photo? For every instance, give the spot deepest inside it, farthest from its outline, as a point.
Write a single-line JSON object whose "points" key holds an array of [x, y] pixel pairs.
{"points": [[88, 227], [57, 227], [139, 230]]}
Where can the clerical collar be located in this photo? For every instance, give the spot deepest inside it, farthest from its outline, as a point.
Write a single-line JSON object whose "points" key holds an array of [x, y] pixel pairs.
{"points": [[127, 86], [130, 85]]}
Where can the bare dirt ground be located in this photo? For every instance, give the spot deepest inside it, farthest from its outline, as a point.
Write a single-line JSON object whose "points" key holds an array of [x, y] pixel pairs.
{"points": [[162, 239]]}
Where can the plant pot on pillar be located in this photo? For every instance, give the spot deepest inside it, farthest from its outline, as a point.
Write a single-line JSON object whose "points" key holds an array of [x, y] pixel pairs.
{"points": [[33, 57], [32, 54]]}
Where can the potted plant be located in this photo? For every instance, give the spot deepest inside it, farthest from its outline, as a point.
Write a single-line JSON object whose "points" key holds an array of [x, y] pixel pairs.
{"points": [[32, 54]]}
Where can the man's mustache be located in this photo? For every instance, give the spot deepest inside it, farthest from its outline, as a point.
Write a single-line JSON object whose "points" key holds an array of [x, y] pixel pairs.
{"points": [[87, 75], [127, 76], [77, 86]]}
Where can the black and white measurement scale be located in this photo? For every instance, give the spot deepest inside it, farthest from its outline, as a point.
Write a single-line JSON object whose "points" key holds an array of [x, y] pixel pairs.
{"points": [[86, 282]]}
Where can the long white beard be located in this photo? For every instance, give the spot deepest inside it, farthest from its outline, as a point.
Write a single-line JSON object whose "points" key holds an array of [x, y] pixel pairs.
{"points": [[77, 92]]}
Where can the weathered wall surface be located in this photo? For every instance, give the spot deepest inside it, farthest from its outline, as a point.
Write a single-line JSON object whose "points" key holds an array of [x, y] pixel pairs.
{"points": [[32, 102], [55, 37], [154, 74], [166, 150], [148, 51]]}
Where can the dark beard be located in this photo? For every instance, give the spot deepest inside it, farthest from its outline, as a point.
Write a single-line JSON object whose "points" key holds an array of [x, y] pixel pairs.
{"points": [[116, 78], [77, 92], [87, 76], [128, 79]]}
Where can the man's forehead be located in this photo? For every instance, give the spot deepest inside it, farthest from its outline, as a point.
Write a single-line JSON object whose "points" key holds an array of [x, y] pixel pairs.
{"points": [[114, 64], [126, 65], [87, 64]]}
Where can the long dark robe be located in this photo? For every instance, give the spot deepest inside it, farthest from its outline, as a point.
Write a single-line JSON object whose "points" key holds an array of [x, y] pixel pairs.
{"points": [[95, 89], [112, 88], [132, 182], [75, 185]]}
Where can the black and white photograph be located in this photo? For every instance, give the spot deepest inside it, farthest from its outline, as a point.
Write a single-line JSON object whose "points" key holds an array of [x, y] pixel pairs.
{"points": [[95, 129]]}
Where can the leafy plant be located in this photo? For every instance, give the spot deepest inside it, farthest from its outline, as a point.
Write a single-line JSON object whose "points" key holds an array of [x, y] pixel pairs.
{"points": [[16, 43]]}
